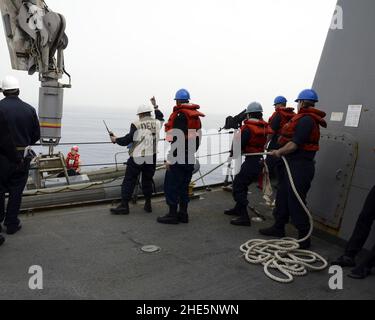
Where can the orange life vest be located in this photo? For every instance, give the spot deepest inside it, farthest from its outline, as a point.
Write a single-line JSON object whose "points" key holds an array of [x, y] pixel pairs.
{"points": [[288, 131], [286, 114], [72, 162], [193, 120], [259, 131]]}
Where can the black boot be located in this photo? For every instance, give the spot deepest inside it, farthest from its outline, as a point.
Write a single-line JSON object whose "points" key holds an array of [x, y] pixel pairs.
{"points": [[360, 273], [344, 261], [2, 239], [148, 207], [183, 215], [307, 243], [276, 231], [171, 217], [232, 212], [243, 219], [122, 209], [13, 229]]}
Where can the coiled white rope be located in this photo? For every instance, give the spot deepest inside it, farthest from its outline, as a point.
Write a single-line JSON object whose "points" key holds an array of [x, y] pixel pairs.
{"points": [[284, 254]]}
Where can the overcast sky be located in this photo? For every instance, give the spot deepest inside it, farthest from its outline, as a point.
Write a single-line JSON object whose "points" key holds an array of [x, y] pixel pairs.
{"points": [[227, 53]]}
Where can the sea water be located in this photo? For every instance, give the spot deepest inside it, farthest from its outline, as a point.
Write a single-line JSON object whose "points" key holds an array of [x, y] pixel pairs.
{"points": [[85, 125]]}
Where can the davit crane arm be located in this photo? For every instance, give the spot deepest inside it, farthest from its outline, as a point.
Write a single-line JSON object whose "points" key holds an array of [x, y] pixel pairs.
{"points": [[36, 40]]}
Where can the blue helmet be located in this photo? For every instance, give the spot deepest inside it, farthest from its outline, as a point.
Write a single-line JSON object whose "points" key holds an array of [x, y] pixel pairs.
{"points": [[182, 95], [309, 95], [280, 100]]}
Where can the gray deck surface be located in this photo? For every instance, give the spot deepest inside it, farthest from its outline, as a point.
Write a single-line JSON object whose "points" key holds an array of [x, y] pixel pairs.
{"points": [[88, 254]]}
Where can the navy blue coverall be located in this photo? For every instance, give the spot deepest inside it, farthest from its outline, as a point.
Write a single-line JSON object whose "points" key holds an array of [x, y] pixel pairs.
{"points": [[24, 130], [272, 162], [250, 171], [179, 175], [275, 125], [134, 169], [302, 165]]}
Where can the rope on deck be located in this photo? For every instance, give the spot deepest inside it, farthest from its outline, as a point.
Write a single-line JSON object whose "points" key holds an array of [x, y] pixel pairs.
{"points": [[284, 254]]}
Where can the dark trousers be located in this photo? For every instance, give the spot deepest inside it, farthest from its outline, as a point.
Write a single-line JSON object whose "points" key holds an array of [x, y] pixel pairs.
{"points": [[369, 261], [133, 170], [273, 164], [363, 227], [71, 173], [287, 204], [13, 179], [176, 183], [250, 171]]}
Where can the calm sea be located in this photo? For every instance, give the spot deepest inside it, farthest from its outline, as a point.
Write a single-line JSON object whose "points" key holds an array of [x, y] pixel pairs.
{"points": [[83, 126]]}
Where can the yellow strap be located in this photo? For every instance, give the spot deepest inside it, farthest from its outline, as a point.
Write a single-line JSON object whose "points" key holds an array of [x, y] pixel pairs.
{"points": [[50, 125]]}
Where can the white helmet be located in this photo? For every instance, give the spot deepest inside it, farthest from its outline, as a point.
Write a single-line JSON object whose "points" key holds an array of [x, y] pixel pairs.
{"points": [[9, 83], [144, 109]]}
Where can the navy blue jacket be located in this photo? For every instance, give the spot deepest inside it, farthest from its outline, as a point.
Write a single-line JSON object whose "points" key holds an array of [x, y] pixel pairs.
{"points": [[7, 147], [22, 121]]}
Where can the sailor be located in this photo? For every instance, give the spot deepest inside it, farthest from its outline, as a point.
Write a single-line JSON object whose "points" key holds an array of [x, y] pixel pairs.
{"points": [[364, 269], [73, 162], [183, 130], [278, 120], [24, 129], [359, 238], [142, 141], [254, 134], [8, 155], [299, 142]]}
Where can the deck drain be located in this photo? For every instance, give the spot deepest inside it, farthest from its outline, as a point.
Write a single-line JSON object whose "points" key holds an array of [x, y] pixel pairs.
{"points": [[150, 249]]}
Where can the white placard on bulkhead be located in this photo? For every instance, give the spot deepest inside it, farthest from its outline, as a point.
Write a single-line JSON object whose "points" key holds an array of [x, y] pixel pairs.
{"points": [[337, 116], [353, 116]]}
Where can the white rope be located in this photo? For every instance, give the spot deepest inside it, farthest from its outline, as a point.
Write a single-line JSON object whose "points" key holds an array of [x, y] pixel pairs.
{"points": [[284, 254]]}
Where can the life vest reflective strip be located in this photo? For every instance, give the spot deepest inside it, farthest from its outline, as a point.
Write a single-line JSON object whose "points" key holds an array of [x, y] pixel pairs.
{"points": [[72, 162], [288, 131], [286, 114], [259, 130], [192, 115]]}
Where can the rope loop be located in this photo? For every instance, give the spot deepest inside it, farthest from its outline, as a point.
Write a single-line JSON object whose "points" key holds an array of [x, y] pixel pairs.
{"points": [[284, 255]]}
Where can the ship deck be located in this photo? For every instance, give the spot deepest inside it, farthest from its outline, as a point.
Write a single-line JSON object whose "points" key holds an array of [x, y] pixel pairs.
{"points": [[86, 253]]}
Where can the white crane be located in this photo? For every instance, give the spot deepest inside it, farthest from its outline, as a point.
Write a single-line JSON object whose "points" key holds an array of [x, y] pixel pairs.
{"points": [[36, 40]]}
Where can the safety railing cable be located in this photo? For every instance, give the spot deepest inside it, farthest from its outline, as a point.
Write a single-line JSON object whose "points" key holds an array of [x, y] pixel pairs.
{"points": [[124, 162], [109, 142]]}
